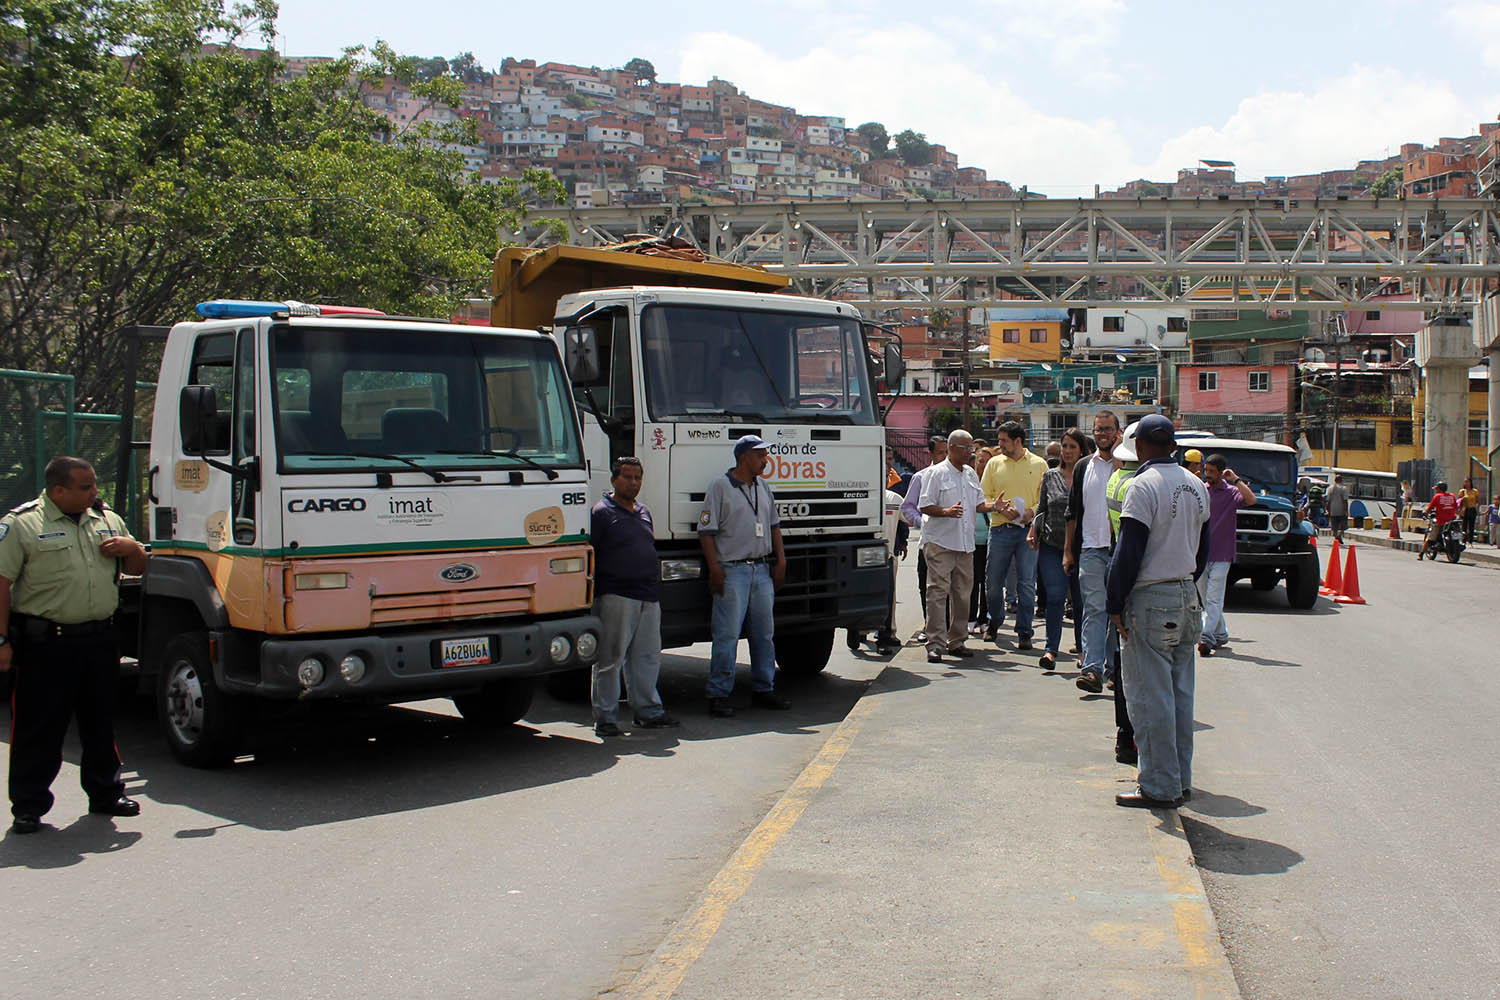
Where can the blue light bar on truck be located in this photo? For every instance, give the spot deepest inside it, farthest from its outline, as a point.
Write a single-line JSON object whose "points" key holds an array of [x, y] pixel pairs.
{"points": [[249, 308]]}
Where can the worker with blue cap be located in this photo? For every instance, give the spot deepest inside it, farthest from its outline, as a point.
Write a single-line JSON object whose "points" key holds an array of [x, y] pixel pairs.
{"points": [[740, 534]]}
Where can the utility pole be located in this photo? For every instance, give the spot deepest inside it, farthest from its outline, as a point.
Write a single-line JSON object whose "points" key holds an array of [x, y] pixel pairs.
{"points": [[1338, 369], [964, 340]]}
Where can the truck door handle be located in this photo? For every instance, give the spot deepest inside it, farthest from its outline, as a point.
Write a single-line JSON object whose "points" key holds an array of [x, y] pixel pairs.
{"points": [[151, 484]]}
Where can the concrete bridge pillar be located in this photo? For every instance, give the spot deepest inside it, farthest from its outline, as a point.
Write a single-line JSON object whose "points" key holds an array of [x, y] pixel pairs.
{"points": [[1446, 351]]}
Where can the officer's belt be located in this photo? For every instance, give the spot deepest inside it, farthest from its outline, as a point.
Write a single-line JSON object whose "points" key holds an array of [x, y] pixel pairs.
{"points": [[35, 629]]}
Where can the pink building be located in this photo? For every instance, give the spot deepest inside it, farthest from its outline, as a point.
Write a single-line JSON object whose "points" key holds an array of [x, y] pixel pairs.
{"points": [[1235, 389]]}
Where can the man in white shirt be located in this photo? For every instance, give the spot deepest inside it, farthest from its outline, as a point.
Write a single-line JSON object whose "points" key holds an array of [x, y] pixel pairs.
{"points": [[937, 454], [950, 498], [1088, 545]]}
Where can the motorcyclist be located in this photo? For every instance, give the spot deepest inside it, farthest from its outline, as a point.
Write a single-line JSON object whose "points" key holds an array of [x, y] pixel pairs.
{"points": [[1442, 508]]}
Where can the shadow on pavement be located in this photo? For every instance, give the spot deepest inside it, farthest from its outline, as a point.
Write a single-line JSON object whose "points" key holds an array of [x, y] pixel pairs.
{"points": [[63, 848], [1229, 854], [1225, 806]]}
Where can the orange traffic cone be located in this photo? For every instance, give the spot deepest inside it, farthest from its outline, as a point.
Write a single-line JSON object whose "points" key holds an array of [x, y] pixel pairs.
{"points": [[1395, 525], [1333, 580], [1350, 594]]}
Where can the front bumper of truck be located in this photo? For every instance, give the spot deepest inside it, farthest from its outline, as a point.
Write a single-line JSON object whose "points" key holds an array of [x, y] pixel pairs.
{"points": [[401, 664], [826, 587]]}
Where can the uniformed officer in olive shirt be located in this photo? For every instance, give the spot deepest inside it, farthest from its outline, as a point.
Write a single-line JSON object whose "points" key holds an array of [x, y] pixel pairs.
{"points": [[60, 557]]}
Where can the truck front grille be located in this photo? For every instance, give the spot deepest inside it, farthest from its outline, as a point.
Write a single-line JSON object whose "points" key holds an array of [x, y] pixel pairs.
{"points": [[426, 605]]}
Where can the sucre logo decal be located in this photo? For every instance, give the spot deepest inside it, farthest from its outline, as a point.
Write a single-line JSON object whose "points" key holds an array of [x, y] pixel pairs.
{"points": [[545, 525]]}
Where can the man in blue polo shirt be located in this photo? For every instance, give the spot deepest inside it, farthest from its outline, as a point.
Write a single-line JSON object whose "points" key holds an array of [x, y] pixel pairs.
{"points": [[628, 603]]}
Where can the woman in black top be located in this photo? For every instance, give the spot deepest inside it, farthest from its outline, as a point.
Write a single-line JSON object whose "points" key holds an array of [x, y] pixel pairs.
{"points": [[1048, 535]]}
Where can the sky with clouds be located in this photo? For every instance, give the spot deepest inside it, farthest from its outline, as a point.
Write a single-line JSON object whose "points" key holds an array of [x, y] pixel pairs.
{"points": [[1059, 96]]}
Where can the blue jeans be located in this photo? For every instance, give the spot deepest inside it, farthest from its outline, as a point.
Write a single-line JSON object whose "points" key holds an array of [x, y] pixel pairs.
{"points": [[1055, 585], [632, 644], [749, 595], [1008, 546], [1163, 622], [1098, 631], [1211, 587]]}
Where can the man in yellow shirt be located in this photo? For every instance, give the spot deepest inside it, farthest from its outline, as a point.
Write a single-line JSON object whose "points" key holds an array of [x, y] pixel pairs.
{"points": [[1468, 502], [1012, 484]]}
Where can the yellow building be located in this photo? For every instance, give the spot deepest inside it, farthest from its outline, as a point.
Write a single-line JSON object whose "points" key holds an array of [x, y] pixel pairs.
{"points": [[1014, 339], [1379, 441]]}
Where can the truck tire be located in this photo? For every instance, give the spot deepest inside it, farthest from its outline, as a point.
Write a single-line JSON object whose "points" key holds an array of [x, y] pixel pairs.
{"points": [[1302, 583], [203, 726], [804, 653], [1263, 579], [497, 704]]}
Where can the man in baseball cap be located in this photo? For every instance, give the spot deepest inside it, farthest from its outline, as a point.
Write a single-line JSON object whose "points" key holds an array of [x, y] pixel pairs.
{"points": [[1192, 459], [740, 534]]}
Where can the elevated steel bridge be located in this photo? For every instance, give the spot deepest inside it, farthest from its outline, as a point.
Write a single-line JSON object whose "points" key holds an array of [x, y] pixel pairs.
{"points": [[1307, 253]]}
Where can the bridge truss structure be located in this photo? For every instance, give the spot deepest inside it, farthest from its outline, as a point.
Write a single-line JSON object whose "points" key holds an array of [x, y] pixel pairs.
{"points": [[1205, 253]]}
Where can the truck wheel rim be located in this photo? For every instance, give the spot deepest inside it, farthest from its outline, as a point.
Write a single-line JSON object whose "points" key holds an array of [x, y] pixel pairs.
{"points": [[185, 702]]}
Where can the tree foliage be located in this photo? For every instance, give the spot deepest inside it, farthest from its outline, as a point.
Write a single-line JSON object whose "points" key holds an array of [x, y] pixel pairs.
{"points": [[1388, 183], [876, 137], [913, 148], [147, 169], [642, 69]]}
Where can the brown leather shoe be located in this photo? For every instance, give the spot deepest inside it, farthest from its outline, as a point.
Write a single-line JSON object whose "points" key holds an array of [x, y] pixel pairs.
{"points": [[1140, 800]]}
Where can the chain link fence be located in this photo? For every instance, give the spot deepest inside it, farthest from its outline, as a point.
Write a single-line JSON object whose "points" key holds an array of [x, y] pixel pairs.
{"points": [[41, 420]]}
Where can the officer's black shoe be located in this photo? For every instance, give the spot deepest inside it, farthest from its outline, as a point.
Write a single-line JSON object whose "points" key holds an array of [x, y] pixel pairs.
{"points": [[720, 708], [117, 807], [854, 639], [24, 824], [604, 729]]}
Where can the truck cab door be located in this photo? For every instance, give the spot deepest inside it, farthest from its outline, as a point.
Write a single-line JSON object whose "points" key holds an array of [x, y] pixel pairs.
{"points": [[215, 484], [613, 391]]}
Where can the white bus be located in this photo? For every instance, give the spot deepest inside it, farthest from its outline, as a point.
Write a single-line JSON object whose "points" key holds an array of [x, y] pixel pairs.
{"points": [[1378, 492]]}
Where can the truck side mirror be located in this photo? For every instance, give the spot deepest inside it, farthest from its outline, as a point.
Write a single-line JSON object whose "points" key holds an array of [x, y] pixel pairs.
{"points": [[581, 353], [895, 365], [197, 415]]}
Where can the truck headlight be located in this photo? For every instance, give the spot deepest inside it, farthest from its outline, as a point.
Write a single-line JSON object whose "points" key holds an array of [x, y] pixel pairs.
{"points": [[1280, 522], [320, 581], [681, 569], [588, 645], [568, 564], [352, 668], [869, 555], [310, 672], [559, 649]]}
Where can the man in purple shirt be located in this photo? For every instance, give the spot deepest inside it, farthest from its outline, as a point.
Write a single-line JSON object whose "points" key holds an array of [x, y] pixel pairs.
{"points": [[627, 600], [1227, 493]]}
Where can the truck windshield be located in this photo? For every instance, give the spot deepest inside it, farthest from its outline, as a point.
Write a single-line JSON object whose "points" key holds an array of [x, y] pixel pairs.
{"points": [[352, 397], [1271, 469], [717, 364]]}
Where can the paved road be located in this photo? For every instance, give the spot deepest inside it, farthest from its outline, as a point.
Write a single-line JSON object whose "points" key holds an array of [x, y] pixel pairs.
{"points": [[1347, 830], [396, 853]]}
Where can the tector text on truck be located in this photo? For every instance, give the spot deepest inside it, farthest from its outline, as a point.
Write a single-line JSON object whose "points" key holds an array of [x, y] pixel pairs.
{"points": [[363, 508]]}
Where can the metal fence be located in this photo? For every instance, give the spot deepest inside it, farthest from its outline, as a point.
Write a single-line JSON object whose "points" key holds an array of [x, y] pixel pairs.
{"points": [[41, 420]]}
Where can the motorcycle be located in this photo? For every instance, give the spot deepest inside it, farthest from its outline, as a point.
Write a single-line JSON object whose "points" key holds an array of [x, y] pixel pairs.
{"points": [[1450, 541]]}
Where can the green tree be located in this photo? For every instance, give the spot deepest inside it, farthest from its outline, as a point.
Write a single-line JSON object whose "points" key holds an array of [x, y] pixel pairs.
{"points": [[642, 69], [876, 138], [429, 69], [466, 68], [577, 100], [1388, 183], [913, 148], [146, 172]]}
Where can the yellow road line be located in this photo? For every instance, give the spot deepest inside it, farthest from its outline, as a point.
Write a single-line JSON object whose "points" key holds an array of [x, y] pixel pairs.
{"points": [[661, 976], [1192, 917]]}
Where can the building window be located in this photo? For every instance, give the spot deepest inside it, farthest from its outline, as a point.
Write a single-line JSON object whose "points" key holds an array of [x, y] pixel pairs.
{"points": [[1286, 357], [1010, 336], [1208, 381], [1177, 324], [1401, 432], [1038, 335], [1059, 421], [1372, 314], [1356, 435], [1083, 387], [1215, 314], [1260, 381], [1114, 324], [1479, 432], [1145, 387]]}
